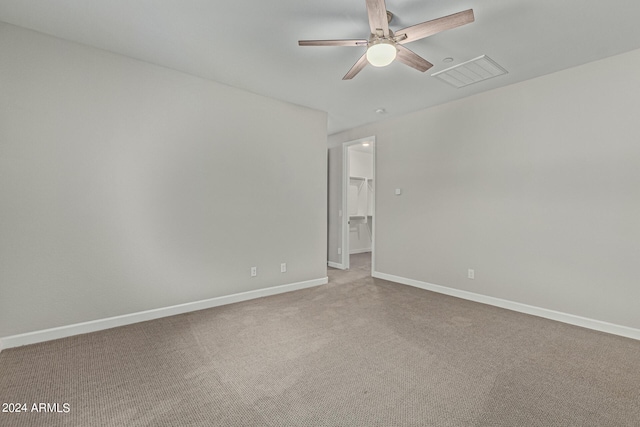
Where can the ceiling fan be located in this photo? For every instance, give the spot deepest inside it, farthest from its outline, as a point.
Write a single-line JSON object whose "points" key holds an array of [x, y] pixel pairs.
{"points": [[384, 45]]}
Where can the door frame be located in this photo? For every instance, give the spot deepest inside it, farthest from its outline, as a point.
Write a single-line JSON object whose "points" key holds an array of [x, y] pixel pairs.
{"points": [[345, 198]]}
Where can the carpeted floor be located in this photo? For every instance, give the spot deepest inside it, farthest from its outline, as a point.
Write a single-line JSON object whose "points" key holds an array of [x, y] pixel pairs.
{"points": [[355, 352]]}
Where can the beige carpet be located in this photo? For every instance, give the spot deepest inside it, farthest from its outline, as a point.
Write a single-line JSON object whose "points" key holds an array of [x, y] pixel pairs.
{"points": [[355, 352]]}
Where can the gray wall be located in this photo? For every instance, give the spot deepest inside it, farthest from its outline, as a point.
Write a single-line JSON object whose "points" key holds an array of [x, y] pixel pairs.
{"points": [[127, 187], [535, 186]]}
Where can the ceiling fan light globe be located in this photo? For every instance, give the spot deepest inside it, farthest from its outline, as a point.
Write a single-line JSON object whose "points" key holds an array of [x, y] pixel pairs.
{"points": [[381, 54]]}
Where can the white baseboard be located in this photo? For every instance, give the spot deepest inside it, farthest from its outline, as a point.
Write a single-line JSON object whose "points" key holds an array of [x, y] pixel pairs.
{"points": [[571, 319], [335, 265], [359, 251], [142, 316]]}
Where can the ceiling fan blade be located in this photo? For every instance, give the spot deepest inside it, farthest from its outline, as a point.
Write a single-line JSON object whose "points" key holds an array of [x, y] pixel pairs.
{"points": [[359, 42], [412, 59], [378, 20], [425, 29], [357, 67]]}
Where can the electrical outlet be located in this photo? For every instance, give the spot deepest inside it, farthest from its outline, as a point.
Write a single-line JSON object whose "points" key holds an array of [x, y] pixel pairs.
{"points": [[471, 274], [254, 271], [283, 267], [339, 251]]}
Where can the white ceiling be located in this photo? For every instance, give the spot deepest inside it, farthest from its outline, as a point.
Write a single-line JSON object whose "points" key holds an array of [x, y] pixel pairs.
{"points": [[252, 44]]}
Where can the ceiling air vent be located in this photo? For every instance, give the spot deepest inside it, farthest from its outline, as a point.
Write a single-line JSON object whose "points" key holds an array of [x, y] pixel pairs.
{"points": [[470, 72]]}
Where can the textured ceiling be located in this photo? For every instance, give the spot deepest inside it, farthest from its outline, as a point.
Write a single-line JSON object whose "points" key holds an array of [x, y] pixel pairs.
{"points": [[252, 44]]}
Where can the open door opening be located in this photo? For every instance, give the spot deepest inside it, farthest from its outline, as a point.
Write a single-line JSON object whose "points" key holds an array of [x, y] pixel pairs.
{"points": [[358, 199]]}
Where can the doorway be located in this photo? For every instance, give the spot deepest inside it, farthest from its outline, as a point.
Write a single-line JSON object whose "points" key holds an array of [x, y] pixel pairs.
{"points": [[358, 200]]}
